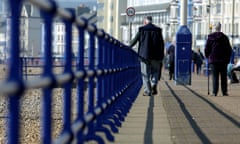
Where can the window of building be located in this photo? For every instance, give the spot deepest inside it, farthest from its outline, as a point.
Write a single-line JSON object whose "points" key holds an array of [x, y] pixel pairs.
{"points": [[100, 6], [111, 19], [229, 28], [236, 29], [1, 6], [218, 8], [62, 38], [58, 28], [143, 2], [111, 6]]}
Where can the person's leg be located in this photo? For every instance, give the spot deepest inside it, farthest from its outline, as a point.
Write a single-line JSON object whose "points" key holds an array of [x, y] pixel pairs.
{"points": [[171, 71], [160, 71], [199, 68], [215, 77], [155, 73], [145, 69], [233, 72], [236, 68], [223, 72]]}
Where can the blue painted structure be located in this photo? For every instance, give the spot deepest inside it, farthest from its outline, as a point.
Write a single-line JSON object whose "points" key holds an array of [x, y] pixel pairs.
{"points": [[183, 56], [116, 73]]}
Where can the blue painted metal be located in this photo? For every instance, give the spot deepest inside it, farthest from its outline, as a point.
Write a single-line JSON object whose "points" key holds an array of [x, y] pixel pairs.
{"points": [[113, 81], [183, 56], [14, 71], [80, 82], [47, 72], [68, 70], [91, 65]]}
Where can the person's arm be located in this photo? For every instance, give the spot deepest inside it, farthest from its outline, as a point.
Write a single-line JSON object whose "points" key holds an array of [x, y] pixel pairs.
{"points": [[229, 49], [134, 40], [202, 56], [207, 49], [162, 44]]}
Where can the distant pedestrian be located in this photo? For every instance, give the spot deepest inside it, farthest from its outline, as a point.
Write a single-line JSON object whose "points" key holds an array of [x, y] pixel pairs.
{"points": [[231, 69], [218, 51], [151, 52], [171, 58], [198, 60]]}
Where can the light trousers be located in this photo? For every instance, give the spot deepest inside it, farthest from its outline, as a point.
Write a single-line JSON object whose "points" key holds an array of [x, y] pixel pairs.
{"points": [[151, 73]]}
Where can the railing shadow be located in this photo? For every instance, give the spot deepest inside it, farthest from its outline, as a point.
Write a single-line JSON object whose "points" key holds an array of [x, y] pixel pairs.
{"points": [[198, 131], [227, 116], [148, 133]]}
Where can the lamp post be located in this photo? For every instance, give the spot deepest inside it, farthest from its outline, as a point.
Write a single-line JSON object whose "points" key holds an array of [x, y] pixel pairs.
{"points": [[209, 15], [233, 15]]}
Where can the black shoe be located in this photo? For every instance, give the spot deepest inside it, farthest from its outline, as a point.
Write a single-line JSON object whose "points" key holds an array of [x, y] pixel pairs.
{"points": [[154, 89], [225, 94], [147, 94]]}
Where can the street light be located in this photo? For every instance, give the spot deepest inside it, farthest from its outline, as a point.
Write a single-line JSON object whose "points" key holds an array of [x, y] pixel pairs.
{"points": [[233, 15], [209, 18]]}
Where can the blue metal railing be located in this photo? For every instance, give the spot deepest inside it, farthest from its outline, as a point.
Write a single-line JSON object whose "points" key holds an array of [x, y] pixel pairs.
{"points": [[113, 80]]}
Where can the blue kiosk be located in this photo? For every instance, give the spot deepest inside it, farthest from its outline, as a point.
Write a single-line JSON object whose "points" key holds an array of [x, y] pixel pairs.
{"points": [[183, 56], [183, 51]]}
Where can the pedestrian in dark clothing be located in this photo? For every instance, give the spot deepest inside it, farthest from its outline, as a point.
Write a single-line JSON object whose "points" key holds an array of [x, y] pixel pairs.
{"points": [[171, 59], [198, 60], [218, 51], [151, 53]]}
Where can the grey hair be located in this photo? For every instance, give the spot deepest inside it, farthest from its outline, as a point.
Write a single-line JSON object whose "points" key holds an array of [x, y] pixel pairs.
{"points": [[217, 26]]}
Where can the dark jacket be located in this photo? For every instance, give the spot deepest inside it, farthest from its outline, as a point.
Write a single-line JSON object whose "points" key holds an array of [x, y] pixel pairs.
{"points": [[198, 57], [171, 54], [151, 44], [218, 48]]}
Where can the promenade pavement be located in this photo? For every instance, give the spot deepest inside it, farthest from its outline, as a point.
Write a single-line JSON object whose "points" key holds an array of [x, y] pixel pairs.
{"points": [[181, 114]]}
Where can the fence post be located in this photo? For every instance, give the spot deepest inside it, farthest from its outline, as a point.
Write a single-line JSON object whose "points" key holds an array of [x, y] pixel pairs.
{"points": [[47, 72], [80, 82], [68, 70], [14, 71], [91, 99]]}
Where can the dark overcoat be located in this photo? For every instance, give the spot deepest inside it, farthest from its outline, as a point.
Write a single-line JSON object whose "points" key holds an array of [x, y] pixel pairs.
{"points": [[218, 48], [151, 43]]}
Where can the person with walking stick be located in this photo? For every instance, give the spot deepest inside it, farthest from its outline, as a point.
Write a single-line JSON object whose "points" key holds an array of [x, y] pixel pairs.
{"points": [[218, 51]]}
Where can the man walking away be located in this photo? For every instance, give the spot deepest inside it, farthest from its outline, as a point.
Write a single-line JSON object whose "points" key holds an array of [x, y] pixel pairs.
{"points": [[171, 58], [151, 53], [218, 51], [198, 60]]}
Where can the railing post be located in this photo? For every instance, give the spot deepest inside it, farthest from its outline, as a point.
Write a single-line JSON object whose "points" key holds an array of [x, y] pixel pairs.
{"points": [[14, 71], [47, 72], [68, 70], [91, 60], [100, 67], [80, 82]]}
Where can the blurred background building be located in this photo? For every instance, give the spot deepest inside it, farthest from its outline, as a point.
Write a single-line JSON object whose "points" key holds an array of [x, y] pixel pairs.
{"points": [[202, 14]]}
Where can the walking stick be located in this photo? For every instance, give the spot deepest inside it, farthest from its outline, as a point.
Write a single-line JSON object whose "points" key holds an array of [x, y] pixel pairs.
{"points": [[208, 75]]}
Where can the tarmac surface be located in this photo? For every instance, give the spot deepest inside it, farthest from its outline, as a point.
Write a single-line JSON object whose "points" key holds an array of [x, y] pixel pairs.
{"points": [[183, 114]]}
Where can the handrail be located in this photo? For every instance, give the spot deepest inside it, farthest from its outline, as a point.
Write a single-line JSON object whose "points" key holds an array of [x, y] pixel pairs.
{"points": [[107, 86]]}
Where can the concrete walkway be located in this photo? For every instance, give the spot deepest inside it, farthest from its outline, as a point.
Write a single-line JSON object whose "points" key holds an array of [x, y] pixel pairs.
{"points": [[183, 115]]}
